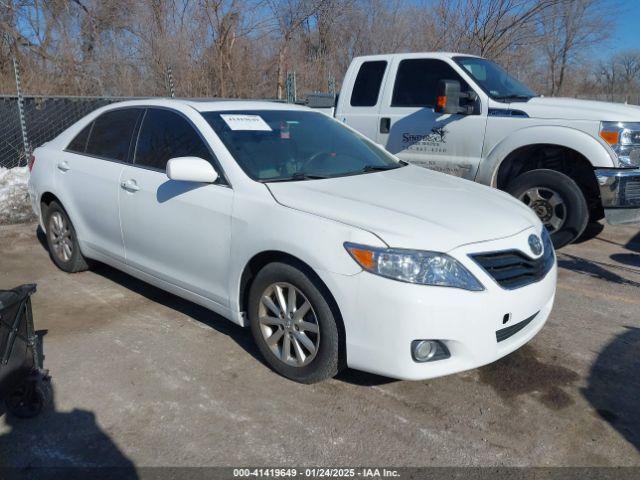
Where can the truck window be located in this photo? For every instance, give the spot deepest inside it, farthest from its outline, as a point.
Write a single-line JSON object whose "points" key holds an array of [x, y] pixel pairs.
{"points": [[417, 82], [367, 85]]}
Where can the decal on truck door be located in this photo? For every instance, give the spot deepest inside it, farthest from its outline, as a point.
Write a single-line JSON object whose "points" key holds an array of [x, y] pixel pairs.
{"points": [[434, 141]]}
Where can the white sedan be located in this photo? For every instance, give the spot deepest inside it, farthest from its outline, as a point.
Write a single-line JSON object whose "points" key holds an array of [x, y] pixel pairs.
{"points": [[333, 251]]}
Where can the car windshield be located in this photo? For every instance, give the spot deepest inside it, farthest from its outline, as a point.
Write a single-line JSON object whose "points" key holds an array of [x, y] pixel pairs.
{"points": [[495, 80], [291, 145]]}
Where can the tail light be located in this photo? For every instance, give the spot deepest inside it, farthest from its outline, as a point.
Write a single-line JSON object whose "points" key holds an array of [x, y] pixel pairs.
{"points": [[31, 162]]}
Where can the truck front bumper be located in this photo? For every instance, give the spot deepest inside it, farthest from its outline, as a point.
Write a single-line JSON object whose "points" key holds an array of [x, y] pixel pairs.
{"points": [[620, 194]]}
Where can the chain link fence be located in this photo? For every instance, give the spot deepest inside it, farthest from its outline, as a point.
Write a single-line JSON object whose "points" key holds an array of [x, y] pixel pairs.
{"points": [[44, 118]]}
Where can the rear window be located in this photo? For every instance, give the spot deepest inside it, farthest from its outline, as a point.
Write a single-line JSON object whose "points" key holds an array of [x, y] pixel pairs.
{"points": [[111, 134], [79, 143], [367, 85]]}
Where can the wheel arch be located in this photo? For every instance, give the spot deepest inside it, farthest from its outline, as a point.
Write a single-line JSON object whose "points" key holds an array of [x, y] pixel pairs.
{"points": [[559, 158], [261, 259], [596, 154]]}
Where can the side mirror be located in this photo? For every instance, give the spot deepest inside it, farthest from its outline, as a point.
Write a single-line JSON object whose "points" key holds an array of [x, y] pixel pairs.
{"points": [[448, 97], [191, 169]]}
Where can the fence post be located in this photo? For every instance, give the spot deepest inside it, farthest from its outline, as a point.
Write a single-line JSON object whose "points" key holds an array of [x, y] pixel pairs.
{"points": [[291, 87], [23, 119], [331, 84], [172, 89]]}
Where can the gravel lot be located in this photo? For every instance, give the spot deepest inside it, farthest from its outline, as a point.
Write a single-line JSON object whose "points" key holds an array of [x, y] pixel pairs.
{"points": [[142, 377]]}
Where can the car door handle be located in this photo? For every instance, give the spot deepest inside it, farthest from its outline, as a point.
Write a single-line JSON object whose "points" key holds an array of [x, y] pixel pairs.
{"points": [[385, 125], [63, 166], [130, 186]]}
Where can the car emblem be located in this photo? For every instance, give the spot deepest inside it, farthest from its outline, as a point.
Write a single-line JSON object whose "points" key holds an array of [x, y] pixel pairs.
{"points": [[535, 244]]}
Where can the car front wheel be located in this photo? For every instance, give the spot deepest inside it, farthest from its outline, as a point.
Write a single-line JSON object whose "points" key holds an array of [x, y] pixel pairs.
{"points": [[293, 324]]}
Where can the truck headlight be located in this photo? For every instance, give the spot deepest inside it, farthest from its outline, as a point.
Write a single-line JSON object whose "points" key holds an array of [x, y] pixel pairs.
{"points": [[414, 266], [624, 139]]}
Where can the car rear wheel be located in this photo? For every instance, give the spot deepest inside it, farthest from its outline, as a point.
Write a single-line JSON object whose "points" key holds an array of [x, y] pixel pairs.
{"points": [[62, 240], [556, 199], [293, 324]]}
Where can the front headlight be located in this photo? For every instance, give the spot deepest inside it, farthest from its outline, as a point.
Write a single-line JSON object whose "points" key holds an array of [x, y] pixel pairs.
{"points": [[414, 266], [624, 139]]}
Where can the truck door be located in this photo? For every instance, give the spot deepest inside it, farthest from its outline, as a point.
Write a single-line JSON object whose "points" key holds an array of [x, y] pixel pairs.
{"points": [[360, 110], [411, 129]]}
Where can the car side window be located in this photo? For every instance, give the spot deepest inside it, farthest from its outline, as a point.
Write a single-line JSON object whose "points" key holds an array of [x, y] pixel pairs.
{"points": [[367, 85], [417, 80], [79, 143], [111, 135], [165, 135]]}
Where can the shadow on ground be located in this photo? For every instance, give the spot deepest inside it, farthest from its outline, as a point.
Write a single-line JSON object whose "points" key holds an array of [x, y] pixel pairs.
{"points": [[596, 269], [521, 372], [60, 444], [242, 336], [614, 385]]}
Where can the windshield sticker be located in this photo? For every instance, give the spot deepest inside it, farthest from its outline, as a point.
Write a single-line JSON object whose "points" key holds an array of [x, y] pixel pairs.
{"points": [[245, 122]]}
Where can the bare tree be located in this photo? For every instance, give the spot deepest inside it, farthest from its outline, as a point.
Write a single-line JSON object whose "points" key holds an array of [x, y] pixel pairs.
{"points": [[569, 29]]}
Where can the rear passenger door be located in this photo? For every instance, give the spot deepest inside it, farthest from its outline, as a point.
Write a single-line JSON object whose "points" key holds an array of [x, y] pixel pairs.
{"points": [[88, 175], [178, 232], [412, 130], [360, 111]]}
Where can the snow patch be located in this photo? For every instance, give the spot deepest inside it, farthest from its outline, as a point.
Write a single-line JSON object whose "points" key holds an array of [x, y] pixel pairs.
{"points": [[15, 206]]}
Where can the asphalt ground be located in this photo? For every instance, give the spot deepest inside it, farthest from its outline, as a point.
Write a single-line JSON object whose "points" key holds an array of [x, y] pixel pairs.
{"points": [[144, 378]]}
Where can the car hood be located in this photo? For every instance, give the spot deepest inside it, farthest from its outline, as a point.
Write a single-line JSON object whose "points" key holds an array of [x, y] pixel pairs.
{"points": [[574, 109], [411, 207]]}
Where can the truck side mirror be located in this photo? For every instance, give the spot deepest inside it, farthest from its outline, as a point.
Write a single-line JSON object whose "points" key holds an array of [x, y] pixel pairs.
{"points": [[451, 100], [448, 97]]}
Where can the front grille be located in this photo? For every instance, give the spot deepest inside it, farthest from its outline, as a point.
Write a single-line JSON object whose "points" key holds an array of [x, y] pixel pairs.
{"points": [[513, 269], [505, 333], [632, 192]]}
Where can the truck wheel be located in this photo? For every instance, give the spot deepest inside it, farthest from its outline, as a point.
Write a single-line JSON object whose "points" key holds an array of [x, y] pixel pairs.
{"points": [[556, 199], [293, 324], [63, 241]]}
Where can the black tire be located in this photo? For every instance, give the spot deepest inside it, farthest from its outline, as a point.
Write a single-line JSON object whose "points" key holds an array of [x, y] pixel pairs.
{"points": [[325, 364], [75, 261], [574, 208]]}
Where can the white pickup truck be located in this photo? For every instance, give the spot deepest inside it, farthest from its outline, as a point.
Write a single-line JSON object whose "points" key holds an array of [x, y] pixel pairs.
{"points": [[572, 161]]}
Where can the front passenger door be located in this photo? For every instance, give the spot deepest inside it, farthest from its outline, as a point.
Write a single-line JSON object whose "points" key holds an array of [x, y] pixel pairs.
{"points": [[178, 232], [416, 133]]}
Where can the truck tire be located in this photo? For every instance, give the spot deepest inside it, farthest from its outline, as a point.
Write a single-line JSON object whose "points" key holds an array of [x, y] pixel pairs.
{"points": [[557, 200], [293, 324]]}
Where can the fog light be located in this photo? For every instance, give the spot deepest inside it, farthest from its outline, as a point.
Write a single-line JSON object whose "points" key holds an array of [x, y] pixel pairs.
{"points": [[423, 350], [428, 350]]}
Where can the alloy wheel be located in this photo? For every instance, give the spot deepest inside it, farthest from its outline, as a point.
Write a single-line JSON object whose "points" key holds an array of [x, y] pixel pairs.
{"points": [[61, 239], [548, 205], [288, 324]]}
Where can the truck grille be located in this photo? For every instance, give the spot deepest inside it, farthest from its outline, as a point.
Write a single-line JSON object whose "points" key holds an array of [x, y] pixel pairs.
{"points": [[505, 333], [632, 192], [513, 269]]}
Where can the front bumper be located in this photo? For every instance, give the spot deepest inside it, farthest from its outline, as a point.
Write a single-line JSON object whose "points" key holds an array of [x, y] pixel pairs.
{"points": [[382, 317], [620, 194]]}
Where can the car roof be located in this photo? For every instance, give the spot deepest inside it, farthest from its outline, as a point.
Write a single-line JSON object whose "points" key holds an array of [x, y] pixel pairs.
{"points": [[436, 55], [208, 105]]}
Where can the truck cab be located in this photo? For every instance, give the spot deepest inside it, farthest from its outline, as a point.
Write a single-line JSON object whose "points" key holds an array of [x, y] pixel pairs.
{"points": [[572, 161]]}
